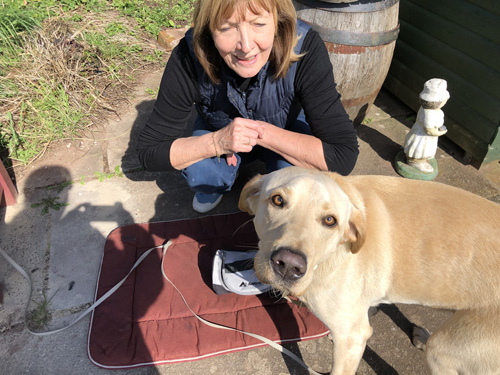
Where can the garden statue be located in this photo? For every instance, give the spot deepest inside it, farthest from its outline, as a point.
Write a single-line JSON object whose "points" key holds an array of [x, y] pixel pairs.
{"points": [[421, 142]]}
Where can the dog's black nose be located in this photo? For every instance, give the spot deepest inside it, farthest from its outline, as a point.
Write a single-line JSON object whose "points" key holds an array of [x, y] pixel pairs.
{"points": [[290, 265]]}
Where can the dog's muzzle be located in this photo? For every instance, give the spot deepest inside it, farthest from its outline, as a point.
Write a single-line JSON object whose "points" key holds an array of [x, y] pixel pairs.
{"points": [[289, 265]]}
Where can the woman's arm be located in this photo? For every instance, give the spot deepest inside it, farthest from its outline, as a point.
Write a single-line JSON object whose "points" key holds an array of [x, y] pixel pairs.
{"points": [[329, 122], [299, 149], [170, 118]]}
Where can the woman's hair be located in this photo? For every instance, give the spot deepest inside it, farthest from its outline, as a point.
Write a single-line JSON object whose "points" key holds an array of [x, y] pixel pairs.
{"points": [[210, 14]]}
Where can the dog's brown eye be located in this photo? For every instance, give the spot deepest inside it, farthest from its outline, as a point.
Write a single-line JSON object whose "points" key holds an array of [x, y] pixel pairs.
{"points": [[330, 221], [277, 200]]}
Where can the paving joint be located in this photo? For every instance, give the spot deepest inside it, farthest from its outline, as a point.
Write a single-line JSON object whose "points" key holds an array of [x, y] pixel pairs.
{"points": [[105, 160], [65, 313]]}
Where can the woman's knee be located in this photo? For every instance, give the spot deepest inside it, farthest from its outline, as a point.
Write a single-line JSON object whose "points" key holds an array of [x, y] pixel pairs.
{"points": [[210, 176]]}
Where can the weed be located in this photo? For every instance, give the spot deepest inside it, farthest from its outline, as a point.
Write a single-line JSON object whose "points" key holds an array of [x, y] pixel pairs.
{"points": [[155, 56], [60, 187], [135, 48], [13, 22], [48, 203], [367, 121], [411, 118], [40, 315], [76, 18], [152, 92], [103, 176], [115, 28], [11, 137], [153, 16], [104, 49]]}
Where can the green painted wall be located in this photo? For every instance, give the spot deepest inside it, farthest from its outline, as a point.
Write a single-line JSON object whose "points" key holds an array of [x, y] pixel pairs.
{"points": [[459, 41]]}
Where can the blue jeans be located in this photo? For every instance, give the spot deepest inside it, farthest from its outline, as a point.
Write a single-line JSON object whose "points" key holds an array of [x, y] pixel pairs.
{"points": [[214, 175]]}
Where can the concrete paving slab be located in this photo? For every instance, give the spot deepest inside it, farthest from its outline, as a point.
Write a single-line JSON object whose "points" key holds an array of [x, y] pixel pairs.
{"points": [[84, 156], [386, 106], [379, 142], [24, 236], [65, 353], [122, 137], [79, 231]]}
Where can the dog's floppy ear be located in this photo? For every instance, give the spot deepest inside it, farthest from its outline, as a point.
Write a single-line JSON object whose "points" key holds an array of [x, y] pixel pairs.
{"points": [[356, 230], [250, 195]]}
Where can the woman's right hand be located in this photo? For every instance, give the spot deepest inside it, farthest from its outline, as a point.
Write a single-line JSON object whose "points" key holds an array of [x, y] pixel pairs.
{"points": [[239, 136]]}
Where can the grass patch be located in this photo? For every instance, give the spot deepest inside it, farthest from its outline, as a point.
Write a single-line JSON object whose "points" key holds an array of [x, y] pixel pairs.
{"points": [[40, 316], [65, 65], [12, 24], [153, 15]]}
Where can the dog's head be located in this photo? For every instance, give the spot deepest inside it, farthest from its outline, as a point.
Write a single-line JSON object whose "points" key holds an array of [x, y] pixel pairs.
{"points": [[306, 223]]}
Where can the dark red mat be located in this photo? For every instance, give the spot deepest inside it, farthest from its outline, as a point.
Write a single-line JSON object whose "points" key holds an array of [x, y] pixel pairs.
{"points": [[146, 322]]}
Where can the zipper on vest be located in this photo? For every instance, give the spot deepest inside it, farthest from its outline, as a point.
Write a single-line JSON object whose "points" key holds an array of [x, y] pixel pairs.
{"points": [[244, 97]]}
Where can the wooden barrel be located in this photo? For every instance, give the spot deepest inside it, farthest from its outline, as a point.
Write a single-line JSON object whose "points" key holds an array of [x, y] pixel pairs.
{"points": [[360, 38]]}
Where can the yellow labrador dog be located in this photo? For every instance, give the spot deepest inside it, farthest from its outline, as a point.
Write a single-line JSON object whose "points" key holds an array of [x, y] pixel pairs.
{"points": [[343, 244]]}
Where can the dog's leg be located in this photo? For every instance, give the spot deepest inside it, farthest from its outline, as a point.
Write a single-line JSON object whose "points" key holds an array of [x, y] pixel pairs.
{"points": [[468, 343], [420, 337], [349, 342]]}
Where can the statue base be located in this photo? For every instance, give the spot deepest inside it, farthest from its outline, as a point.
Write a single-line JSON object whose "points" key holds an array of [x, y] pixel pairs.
{"points": [[408, 171]]}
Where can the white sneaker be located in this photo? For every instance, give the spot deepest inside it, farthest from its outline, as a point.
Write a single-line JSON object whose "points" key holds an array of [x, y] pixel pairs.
{"points": [[206, 202]]}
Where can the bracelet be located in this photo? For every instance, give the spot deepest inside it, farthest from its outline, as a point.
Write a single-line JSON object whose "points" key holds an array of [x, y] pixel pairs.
{"points": [[216, 153]]}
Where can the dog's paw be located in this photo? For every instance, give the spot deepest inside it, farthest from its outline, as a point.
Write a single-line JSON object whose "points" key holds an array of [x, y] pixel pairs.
{"points": [[420, 337]]}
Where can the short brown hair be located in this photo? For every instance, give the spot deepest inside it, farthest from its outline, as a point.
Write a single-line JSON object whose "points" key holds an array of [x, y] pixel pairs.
{"points": [[209, 15]]}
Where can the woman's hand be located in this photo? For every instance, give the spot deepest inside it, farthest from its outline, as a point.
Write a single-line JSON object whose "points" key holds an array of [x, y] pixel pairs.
{"points": [[240, 135]]}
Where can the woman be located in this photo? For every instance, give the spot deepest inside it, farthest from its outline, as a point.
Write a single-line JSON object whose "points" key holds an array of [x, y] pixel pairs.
{"points": [[263, 87]]}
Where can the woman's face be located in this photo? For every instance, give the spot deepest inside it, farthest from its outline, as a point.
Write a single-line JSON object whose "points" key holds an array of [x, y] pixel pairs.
{"points": [[246, 44]]}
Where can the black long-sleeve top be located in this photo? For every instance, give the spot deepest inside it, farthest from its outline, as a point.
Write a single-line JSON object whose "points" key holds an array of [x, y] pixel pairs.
{"points": [[314, 87]]}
